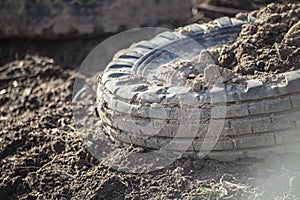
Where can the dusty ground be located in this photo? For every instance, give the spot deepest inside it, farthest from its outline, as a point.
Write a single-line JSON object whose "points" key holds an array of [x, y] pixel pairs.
{"points": [[270, 45], [42, 155], [267, 47]]}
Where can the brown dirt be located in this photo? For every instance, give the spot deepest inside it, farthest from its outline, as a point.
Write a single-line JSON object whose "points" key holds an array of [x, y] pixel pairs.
{"points": [[67, 53], [270, 45], [263, 50], [42, 155]]}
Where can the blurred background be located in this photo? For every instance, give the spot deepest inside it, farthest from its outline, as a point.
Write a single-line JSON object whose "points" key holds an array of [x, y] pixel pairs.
{"points": [[67, 30]]}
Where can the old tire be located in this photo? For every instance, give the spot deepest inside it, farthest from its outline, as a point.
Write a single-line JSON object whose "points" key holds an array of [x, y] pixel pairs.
{"points": [[260, 117], [69, 19]]}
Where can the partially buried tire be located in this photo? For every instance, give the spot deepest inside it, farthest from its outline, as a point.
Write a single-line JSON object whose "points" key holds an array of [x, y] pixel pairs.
{"points": [[140, 99]]}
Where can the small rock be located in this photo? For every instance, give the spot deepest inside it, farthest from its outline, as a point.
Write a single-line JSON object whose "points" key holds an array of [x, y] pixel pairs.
{"points": [[15, 83], [3, 91], [27, 92], [198, 164], [178, 170], [227, 74], [212, 74], [198, 83]]}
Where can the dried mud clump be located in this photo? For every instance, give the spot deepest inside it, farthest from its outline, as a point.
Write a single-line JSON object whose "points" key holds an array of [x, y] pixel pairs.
{"points": [[270, 45]]}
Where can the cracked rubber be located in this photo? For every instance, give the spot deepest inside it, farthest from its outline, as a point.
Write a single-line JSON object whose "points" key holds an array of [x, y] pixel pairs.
{"points": [[142, 102]]}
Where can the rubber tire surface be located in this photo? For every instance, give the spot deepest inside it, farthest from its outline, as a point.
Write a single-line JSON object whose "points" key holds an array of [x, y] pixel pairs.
{"points": [[260, 117]]}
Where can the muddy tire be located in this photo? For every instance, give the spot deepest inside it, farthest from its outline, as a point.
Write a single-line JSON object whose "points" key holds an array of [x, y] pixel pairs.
{"points": [[137, 106]]}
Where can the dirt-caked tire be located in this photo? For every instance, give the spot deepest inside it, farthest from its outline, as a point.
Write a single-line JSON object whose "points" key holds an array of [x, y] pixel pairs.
{"points": [[136, 106]]}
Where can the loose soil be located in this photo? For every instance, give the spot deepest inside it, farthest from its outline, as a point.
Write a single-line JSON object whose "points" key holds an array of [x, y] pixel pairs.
{"points": [[269, 45], [264, 49], [42, 155]]}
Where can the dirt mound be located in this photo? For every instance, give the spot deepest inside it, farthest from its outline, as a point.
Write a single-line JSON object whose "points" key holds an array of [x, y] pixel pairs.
{"points": [[270, 45], [42, 155]]}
